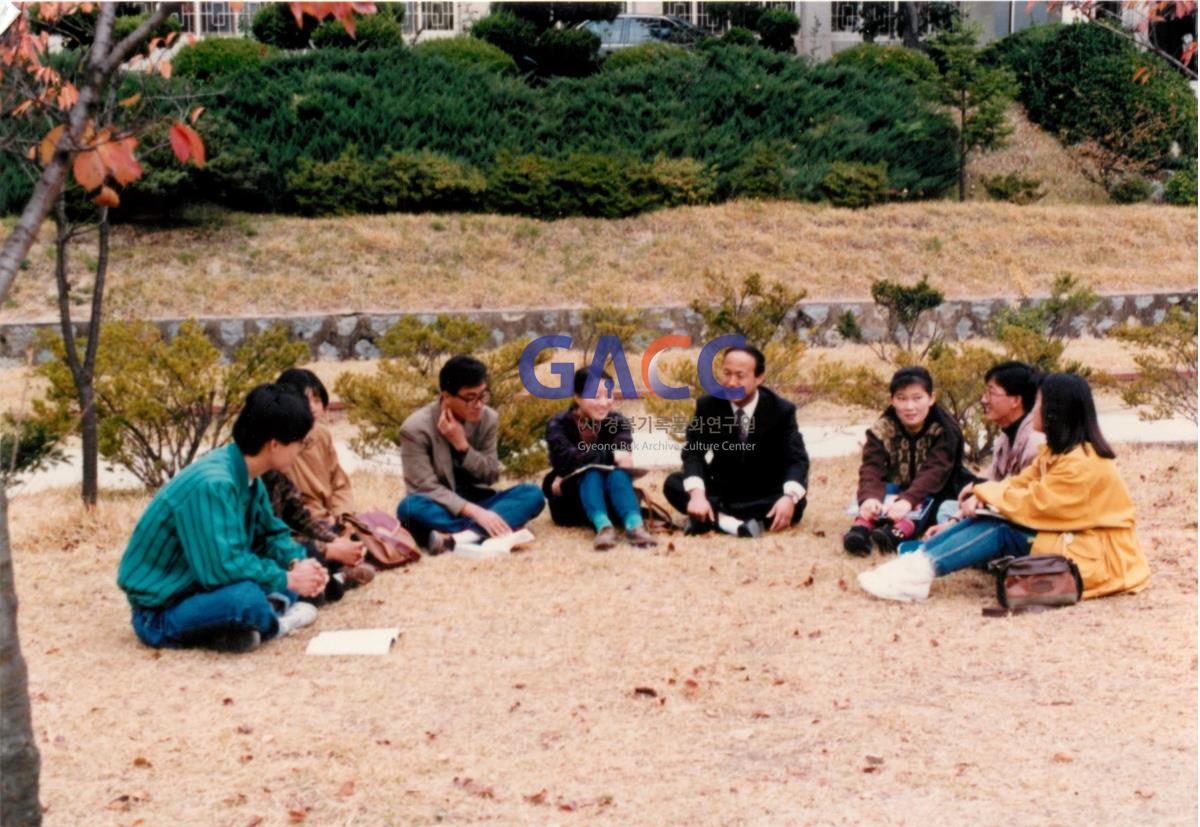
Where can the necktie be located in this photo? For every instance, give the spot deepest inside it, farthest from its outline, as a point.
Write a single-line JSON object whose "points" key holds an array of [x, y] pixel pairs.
{"points": [[743, 423]]}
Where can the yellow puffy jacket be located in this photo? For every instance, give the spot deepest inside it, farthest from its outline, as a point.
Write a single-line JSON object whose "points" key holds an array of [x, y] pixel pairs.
{"points": [[1080, 509]]}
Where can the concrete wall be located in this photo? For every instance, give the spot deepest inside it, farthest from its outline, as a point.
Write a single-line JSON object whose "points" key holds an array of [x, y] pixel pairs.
{"points": [[353, 336]]}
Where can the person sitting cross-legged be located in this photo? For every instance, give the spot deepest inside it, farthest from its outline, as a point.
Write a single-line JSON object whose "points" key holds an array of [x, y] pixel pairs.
{"points": [[758, 473], [911, 463], [591, 452], [448, 449], [207, 552]]}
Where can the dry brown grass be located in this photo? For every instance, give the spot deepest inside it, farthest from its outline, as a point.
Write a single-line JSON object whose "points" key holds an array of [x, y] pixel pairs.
{"points": [[774, 684], [1033, 153], [401, 262]]}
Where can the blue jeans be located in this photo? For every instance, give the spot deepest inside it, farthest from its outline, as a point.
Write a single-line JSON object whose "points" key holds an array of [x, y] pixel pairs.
{"points": [[598, 489], [517, 505], [971, 542], [198, 619]]}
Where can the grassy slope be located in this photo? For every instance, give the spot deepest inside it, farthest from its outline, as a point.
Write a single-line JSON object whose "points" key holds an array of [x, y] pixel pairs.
{"points": [[241, 264]]}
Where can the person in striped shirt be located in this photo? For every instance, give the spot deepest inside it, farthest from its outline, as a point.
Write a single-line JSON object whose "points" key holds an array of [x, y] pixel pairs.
{"points": [[208, 562]]}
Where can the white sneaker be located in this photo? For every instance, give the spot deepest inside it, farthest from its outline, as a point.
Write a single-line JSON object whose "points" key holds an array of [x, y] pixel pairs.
{"points": [[299, 615], [906, 578]]}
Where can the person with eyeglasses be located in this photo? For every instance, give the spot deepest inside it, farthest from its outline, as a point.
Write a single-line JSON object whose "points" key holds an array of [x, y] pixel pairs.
{"points": [[448, 449], [1008, 397]]}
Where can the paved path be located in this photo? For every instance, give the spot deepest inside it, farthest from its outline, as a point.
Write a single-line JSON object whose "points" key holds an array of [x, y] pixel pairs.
{"points": [[653, 450]]}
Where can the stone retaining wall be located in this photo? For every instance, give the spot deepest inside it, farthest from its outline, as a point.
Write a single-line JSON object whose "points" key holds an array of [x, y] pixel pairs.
{"points": [[353, 335]]}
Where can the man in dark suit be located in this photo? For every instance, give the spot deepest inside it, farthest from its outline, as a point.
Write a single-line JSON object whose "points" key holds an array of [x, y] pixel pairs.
{"points": [[758, 472]]}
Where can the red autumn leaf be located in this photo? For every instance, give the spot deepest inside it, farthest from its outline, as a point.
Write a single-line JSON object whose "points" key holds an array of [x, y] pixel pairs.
{"points": [[88, 169], [1189, 52], [107, 198], [118, 160], [1141, 75], [346, 790], [131, 100], [141, 762], [537, 798], [1062, 758], [46, 147], [186, 144], [67, 96], [296, 816], [474, 787], [22, 108], [196, 113]]}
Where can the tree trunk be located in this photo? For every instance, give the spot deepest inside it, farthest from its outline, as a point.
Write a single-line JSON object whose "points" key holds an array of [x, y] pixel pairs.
{"points": [[962, 149], [912, 24], [19, 758]]}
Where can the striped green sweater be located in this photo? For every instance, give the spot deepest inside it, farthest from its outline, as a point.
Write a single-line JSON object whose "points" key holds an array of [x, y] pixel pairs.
{"points": [[209, 527]]}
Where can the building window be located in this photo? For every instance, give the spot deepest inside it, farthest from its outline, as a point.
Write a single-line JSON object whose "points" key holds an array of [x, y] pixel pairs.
{"points": [[845, 17], [217, 18], [710, 16], [428, 17]]}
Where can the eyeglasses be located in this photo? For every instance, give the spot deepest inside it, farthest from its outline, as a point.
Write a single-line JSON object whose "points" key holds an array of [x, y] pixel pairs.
{"points": [[481, 399], [996, 393]]}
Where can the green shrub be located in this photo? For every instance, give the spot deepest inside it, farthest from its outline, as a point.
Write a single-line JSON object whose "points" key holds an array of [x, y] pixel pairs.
{"points": [[275, 26], [739, 36], [1014, 188], [216, 57], [467, 51], [1181, 188], [643, 54], [908, 65], [402, 181], [343, 186], [1165, 354], [777, 29], [568, 52], [371, 31], [513, 35], [1131, 189], [1078, 81], [159, 403], [126, 24], [856, 185], [1037, 332], [761, 124]]}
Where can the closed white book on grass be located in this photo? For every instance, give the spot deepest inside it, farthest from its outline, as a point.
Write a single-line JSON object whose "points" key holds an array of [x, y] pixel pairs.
{"points": [[353, 642], [494, 546]]}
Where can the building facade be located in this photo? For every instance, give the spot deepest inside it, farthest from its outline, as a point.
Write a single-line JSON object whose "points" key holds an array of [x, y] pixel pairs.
{"points": [[825, 28]]}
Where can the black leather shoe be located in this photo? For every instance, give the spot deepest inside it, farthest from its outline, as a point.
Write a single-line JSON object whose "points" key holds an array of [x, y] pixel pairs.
{"points": [[857, 541], [693, 527], [883, 538]]}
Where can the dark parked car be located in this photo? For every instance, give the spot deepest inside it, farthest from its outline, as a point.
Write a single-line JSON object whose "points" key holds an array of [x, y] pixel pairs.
{"points": [[632, 29]]}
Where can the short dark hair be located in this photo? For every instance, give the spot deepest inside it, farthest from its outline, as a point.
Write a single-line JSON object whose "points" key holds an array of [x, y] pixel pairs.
{"points": [[461, 372], [1069, 415], [915, 375], [581, 379], [1017, 379], [304, 380], [271, 412], [760, 361]]}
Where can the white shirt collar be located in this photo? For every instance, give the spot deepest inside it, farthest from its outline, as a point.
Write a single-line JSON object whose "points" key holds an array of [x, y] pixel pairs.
{"points": [[750, 406]]}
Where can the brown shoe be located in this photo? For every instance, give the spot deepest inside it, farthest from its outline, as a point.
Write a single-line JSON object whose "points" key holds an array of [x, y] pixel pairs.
{"points": [[640, 538], [359, 575], [606, 539]]}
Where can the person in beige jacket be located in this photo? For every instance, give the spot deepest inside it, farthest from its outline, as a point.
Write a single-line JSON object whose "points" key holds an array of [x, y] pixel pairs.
{"points": [[448, 450]]}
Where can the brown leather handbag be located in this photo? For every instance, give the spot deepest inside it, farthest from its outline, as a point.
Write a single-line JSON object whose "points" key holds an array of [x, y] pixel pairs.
{"points": [[388, 543], [1041, 580]]}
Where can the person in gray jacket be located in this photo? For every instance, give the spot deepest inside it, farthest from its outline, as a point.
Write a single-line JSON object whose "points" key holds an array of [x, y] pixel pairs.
{"points": [[448, 449]]}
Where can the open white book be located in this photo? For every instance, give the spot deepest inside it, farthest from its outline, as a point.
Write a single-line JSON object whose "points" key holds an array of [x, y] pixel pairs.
{"points": [[494, 546], [353, 642], [634, 473]]}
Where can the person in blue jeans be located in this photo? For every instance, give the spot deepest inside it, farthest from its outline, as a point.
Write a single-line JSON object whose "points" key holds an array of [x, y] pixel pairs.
{"points": [[591, 456], [208, 563], [448, 449]]}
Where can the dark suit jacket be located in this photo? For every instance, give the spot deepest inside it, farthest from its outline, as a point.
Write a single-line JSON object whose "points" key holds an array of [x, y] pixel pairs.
{"points": [[774, 452]]}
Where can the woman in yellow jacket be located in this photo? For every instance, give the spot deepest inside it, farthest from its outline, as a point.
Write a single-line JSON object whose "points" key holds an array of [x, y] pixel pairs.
{"points": [[1069, 501]]}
